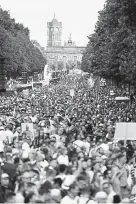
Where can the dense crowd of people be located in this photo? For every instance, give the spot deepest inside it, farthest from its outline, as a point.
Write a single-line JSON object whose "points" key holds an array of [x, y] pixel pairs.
{"points": [[69, 155]]}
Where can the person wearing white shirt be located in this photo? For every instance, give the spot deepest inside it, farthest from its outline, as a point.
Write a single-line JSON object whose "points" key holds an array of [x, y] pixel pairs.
{"points": [[9, 134], [63, 158], [2, 135], [33, 119]]}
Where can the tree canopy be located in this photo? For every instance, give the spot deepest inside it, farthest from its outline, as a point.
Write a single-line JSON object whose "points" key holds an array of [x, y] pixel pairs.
{"points": [[17, 48], [111, 50]]}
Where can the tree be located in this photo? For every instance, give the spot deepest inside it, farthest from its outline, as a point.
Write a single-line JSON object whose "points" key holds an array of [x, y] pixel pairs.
{"points": [[110, 52], [17, 48]]}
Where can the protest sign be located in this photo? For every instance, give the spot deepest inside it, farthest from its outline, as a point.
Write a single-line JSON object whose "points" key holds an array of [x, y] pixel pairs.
{"points": [[112, 93], [122, 99], [125, 131], [27, 129], [26, 92]]}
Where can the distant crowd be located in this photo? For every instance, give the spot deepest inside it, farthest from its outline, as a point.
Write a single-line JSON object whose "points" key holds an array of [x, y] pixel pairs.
{"points": [[59, 148]]}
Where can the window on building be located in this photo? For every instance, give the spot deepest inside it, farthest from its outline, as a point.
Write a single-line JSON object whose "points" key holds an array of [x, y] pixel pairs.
{"points": [[75, 58], [64, 58]]}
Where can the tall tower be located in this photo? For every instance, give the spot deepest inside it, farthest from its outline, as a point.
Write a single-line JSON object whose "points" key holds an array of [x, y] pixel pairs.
{"points": [[54, 33]]}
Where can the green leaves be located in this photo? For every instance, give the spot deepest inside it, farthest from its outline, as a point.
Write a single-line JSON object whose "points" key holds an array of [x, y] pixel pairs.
{"points": [[110, 52], [16, 46]]}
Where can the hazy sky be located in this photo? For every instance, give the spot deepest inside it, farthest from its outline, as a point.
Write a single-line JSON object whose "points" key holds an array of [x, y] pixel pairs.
{"points": [[78, 17]]}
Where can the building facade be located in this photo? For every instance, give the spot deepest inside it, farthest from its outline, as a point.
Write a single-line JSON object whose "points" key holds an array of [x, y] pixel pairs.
{"points": [[60, 56]]}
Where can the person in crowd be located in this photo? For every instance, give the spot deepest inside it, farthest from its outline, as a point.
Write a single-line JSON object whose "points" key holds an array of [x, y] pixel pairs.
{"points": [[70, 156]]}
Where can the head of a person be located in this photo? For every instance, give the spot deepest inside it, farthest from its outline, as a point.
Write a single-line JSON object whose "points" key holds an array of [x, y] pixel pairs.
{"points": [[9, 127], [57, 183], [85, 191], [53, 141], [47, 139], [54, 163], [63, 151], [120, 159], [121, 143], [34, 175], [26, 176], [95, 165], [8, 157], [84, 164], [89, 163], [50, 174], [108, 173], [62, 168], [5, 180], [106, 187], [73, 189], [104, 159], [80, 155]]}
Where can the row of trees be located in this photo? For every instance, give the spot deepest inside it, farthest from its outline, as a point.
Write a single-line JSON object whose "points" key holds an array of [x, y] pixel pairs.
{"points": [[111, 50], [17, 48]]}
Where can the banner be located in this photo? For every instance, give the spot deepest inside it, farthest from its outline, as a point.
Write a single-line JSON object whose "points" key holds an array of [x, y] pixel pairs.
{"points": [[122, 99]]}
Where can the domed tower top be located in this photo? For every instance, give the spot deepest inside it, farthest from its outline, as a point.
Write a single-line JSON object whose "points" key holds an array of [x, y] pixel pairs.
{"points": [[54, 20], [54, 32]]}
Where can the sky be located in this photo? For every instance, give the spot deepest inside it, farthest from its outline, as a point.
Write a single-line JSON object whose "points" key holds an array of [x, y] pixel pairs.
{"points": [[78, 17]]}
